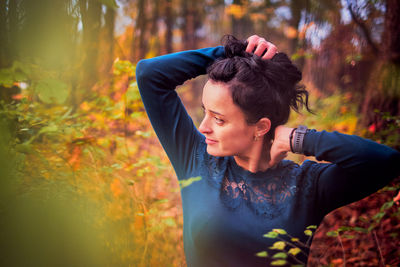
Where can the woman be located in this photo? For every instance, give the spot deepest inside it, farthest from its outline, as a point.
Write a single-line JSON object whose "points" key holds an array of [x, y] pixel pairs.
{"points": [[246, 188]]}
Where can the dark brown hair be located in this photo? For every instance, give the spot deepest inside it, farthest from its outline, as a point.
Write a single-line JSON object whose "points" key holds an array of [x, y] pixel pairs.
{"points": [[261, 88]]}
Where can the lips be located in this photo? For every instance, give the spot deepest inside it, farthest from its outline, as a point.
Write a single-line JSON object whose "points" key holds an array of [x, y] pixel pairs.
{"points": [[210, 141]]}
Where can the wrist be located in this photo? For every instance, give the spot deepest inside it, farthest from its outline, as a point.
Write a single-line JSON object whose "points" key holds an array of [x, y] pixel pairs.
{"points": [[282, 136]]}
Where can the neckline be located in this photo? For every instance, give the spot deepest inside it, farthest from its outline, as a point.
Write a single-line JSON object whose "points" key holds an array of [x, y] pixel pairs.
{"points": [[246, 174]]}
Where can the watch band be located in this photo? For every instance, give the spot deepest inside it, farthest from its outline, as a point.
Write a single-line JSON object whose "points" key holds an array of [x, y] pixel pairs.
{"points": [[291, 139], [299, 138]]}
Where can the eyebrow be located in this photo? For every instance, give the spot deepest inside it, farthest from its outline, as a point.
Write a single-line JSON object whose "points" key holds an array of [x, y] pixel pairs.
{"points": [[202, 105]]}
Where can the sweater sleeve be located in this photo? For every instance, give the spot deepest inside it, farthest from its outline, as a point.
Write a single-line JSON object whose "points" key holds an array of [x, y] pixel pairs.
{"points": [[157, 79], [359, 167]]}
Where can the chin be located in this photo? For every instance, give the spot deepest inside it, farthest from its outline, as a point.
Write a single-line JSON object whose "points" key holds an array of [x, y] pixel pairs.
{"points": [[215, 152]]}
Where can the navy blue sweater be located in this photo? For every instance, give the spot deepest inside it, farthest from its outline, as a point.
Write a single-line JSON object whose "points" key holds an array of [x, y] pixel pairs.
{"points": [[228, 211]]}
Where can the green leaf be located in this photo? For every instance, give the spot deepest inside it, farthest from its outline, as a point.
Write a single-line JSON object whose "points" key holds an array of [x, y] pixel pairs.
{"points": [[371, 227], [360, 230], [124, 66], [387, 205], [294, 251], [262, 254], [271, 235], [295, 239], [308, 232], [349, 236], [51, 128], [390, 188], [278, 263], [311, 227], [52, 90], [343, 228], [280, 255], [279, 231], [280, 245], [143, 134], [161, 201], [170, 222], [332, 233], [378, 216], [187, 182]]}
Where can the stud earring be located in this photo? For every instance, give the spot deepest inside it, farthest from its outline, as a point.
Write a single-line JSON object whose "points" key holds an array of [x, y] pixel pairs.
{"points": [[255, 138]]}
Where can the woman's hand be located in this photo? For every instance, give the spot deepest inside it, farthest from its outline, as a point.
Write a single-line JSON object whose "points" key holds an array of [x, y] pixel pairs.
{"points": [[280, 145], [260, 47]]}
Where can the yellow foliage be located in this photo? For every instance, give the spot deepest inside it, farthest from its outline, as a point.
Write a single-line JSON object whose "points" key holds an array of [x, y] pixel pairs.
{"points": [[347, 125], [84, 106], [294, 251], [238, 11], [258, 16], [280, 245]]}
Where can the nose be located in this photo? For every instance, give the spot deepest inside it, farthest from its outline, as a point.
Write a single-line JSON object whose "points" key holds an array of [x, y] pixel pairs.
{"points": [[204, 128]]}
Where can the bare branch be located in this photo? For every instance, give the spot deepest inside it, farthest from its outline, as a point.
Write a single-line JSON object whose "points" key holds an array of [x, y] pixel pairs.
{"points": [[364, 28]]}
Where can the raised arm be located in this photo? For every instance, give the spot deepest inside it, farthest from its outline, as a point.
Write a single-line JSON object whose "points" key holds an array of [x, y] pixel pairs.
{"points": [[359, 167], [157, 79]]}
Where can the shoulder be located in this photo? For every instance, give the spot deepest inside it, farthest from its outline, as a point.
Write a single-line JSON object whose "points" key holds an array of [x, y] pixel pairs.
{"points": [[307, 168], [304, 176]]}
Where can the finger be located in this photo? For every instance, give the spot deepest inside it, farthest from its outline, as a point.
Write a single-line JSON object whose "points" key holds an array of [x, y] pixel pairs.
{"points": [[252, 43], [261, 47], [271, 51]]}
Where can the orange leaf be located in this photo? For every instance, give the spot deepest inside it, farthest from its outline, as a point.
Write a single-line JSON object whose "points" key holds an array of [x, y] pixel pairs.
{"points": [[116, 187], [397, 198], [17, 97], [75, 158]]}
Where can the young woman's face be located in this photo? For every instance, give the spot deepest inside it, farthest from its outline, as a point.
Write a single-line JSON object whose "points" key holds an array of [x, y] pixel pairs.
{"points": [[224, 125]]}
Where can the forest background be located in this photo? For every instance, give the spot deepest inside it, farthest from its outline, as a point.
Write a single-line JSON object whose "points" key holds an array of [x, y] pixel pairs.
{"points": [[84, 181]]}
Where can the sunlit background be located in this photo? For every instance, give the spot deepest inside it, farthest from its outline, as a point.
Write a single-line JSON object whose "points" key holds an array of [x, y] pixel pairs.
{"points": [[84, 181]]}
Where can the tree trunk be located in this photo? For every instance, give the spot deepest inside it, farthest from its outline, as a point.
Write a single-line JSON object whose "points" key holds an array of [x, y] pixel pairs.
{"points": [[109, 38], [192, 14], [169, 25], [13, 29], [391, 35], [155, 45], [140, 32], [4, 44], [383, 92], [239, 24], [91, 21], [185, 28], [296, 7]]}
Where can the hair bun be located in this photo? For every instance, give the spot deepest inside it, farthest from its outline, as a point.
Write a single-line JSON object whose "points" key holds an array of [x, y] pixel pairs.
{"points": [[234, 47]]}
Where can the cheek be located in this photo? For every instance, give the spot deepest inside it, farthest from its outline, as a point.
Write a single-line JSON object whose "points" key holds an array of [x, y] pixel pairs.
{"points": [[234, 141]]}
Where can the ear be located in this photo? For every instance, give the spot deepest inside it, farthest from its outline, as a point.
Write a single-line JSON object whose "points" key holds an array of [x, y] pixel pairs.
{"points": [[263, 126]]}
